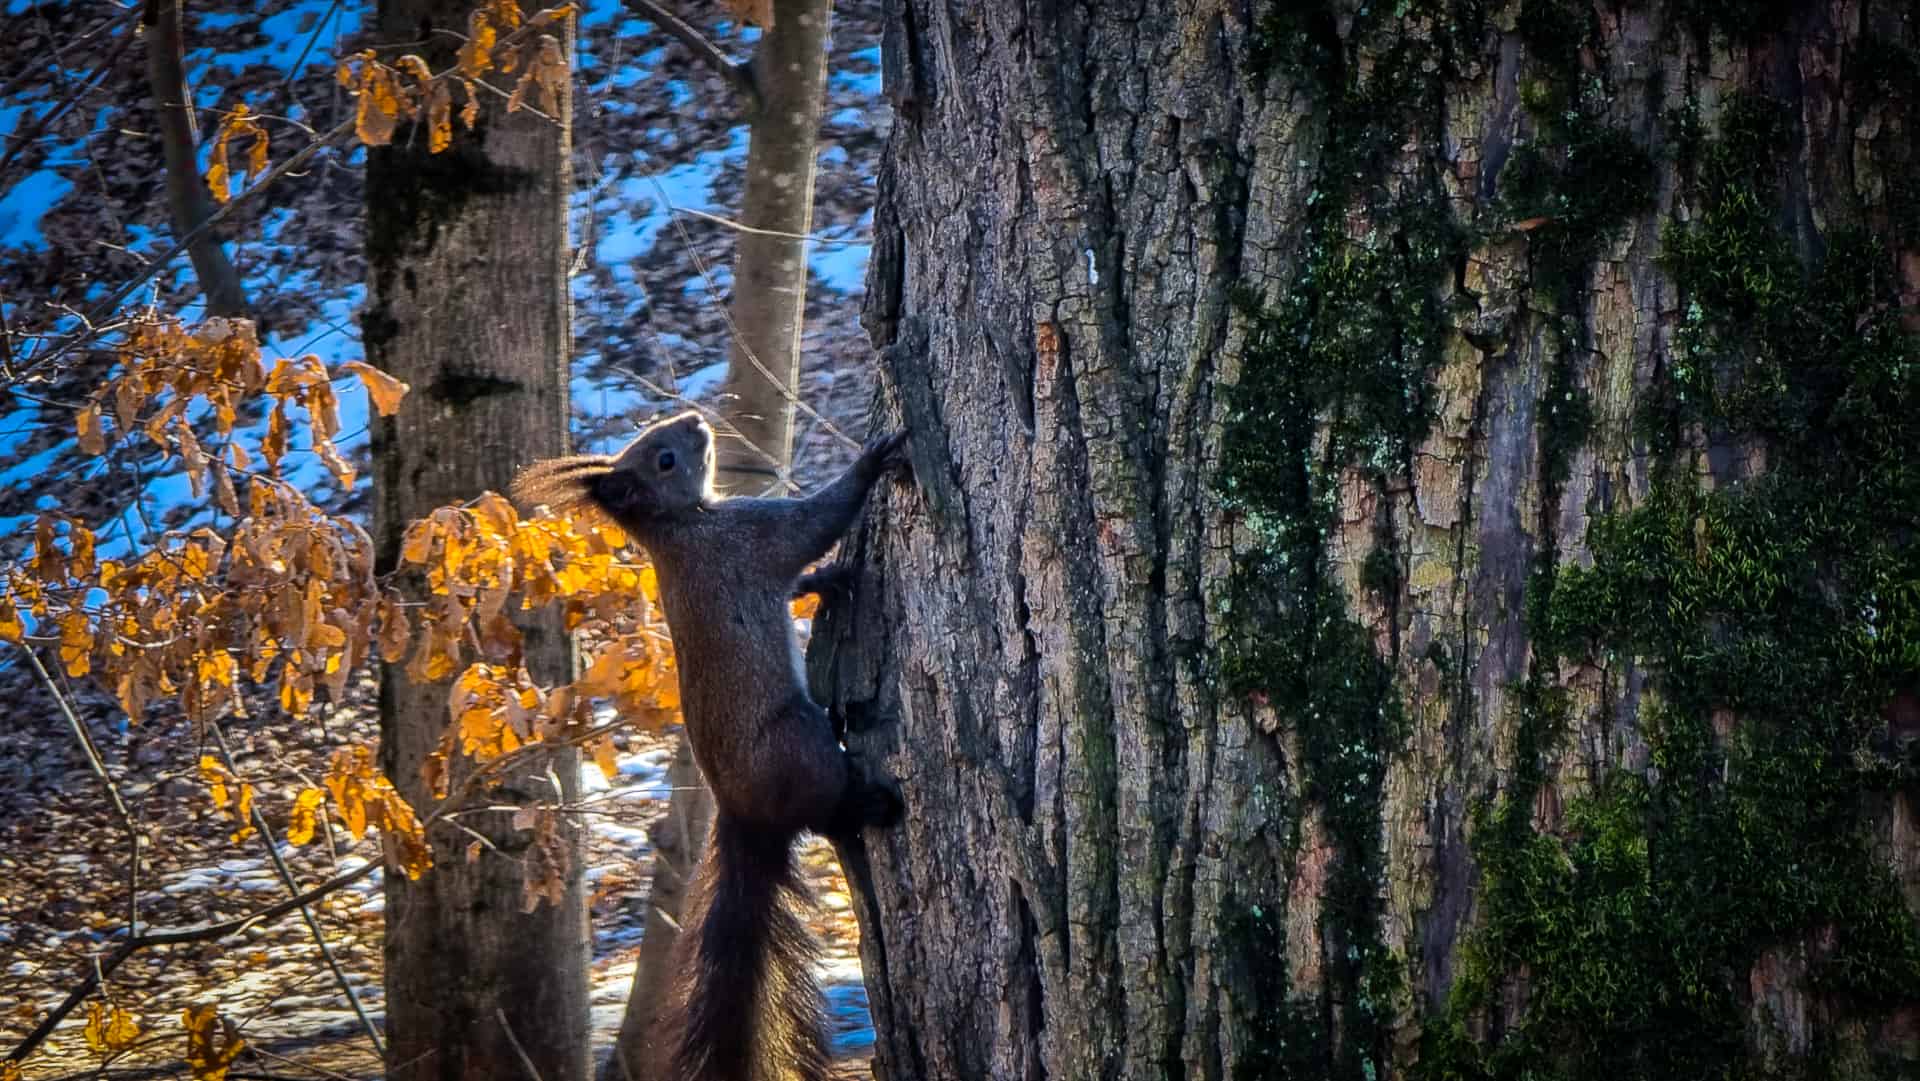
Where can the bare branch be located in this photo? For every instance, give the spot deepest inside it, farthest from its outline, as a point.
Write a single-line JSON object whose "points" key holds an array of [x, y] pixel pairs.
{"points": [[525, 1059], [740, 75], [205, 932], [29, 134], [99, 765], [265, 831]]}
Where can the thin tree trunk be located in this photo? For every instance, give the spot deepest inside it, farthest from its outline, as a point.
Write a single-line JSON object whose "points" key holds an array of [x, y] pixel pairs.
{"points": [[1398, 491], [188, 199], [769, 310], [678, 840], [770, 264], [467, 254]]}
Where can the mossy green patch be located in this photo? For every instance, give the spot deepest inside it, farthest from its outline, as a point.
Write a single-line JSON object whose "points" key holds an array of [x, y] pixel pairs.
{"points": [[1338, 376], [1779, 618]]}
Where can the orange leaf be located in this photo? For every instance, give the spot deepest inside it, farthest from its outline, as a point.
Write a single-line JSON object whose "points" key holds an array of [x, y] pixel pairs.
{"points": [[11, 629], [80, 560], [110, 1029], [416, 544], [604, 757], [413, 65], [305, 816], [469, 112], [243, 812], [383, 390], [218, 181], [476, 56], [257, 153], [76, 644], [212, 1043], [274, 446], [439, 118], [379, 107], [92, 441]]}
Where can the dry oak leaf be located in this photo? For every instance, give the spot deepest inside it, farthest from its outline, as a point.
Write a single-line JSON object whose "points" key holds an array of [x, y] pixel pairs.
{"points": [[305, 817], [11, 628], [212, 1043], [110, 1028], [383, 390], [92, 440]]}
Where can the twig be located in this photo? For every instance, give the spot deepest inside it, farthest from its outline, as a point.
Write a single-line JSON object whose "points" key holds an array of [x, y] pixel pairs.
{"points": [[740, 75], [743, 227], [733, 330], [313, 924], [87, 85], [299, 62], [106, 779], [525, 1059]]}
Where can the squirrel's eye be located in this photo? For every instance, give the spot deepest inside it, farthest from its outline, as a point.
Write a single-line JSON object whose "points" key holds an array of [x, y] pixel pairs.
{"points": [[666, 461]]}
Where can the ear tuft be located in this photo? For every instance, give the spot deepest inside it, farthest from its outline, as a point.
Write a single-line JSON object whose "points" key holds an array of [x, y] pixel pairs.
{"points": [[561, 483]]}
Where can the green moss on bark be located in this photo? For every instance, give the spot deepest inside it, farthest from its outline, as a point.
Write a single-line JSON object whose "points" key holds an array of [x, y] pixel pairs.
{"points": [[1338, 376], [1779, 619]]}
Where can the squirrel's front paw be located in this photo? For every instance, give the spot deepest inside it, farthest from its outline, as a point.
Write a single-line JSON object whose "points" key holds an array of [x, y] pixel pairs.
{"points": [[887, 453]]}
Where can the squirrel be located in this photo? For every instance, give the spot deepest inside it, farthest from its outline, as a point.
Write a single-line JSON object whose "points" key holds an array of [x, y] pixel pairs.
{"points": [[744, 1005]]}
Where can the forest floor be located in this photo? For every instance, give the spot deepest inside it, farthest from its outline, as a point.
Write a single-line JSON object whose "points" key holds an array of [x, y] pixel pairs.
{"points": [[82, 208]]}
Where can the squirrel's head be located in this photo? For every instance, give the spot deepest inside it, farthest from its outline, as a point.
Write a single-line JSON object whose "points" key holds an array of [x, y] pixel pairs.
{"points": [[667, 468]]}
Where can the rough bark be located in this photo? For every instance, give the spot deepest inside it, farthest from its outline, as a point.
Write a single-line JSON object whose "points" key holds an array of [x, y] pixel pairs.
{"points": [[770, 260], [1394, 483], [467, 257], [188, 200]]}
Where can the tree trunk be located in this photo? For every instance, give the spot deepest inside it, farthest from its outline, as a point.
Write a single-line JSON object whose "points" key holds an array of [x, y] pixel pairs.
{"points": [[1409, 504], [770, 261], [467, 254], [678, 840], [188, 199]]}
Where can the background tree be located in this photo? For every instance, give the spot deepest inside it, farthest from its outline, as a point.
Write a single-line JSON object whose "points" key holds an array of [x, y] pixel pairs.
{"points": [[467, 263], [188, 199], [1412, 572]]}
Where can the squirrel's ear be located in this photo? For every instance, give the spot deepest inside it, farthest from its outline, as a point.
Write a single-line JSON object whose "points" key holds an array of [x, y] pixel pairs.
{"points": [[614, 491]]}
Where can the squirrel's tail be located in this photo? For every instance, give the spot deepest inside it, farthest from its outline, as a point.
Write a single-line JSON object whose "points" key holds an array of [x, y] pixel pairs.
{"points": [[746, 1006]]}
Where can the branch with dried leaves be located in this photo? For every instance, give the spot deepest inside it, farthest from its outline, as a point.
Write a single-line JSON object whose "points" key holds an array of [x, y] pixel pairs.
{"points": [[98, 321], [96, 972]]}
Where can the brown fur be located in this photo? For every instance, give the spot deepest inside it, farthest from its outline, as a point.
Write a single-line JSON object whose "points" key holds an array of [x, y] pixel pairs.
{"points": [[746, 1007]]}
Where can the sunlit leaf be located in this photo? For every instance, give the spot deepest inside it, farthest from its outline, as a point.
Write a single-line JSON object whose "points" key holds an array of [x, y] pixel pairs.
{"points": [[476, 56], [304, 819], [11, 627], [212, 1043], [110, 1028], [439, 118], [76, 644], [383, 390]]}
